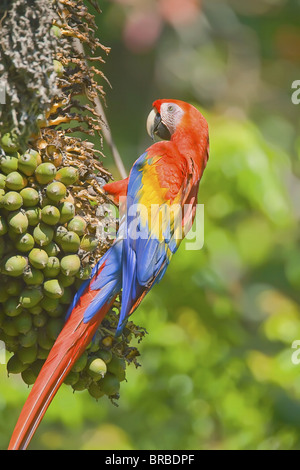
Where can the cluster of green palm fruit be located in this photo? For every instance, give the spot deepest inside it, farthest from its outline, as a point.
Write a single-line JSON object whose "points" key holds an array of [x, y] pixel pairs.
{"points": [[43, 245], [100, 369]]}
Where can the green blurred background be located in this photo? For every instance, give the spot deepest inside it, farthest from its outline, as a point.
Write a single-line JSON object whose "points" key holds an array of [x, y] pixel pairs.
{"points": [[217, 370]]}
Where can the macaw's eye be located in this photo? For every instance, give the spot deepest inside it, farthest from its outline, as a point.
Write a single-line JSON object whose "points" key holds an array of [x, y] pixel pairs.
{"points": [[170, 108]]}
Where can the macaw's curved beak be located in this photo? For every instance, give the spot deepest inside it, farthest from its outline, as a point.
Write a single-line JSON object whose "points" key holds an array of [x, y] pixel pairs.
{"points": [[156, 128]]}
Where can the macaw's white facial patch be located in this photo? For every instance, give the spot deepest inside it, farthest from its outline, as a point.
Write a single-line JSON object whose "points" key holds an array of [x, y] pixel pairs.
{"points": [[171, 115]]}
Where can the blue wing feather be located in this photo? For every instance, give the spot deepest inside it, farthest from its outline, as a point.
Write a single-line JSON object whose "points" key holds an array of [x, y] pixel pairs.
{"points": [[109, 280], [106, 277], [145, 257]]}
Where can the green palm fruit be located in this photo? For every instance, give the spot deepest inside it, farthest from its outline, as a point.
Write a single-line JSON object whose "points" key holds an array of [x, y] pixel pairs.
{"points": [[8, 163], [95, 391], [40, 320], [97, 369], [70, 242], [28, 163], [53, 289], [49, 305], [12, 307], [4, 295], [15, 265], [12, 235], [52, 249], [80, 385], [28, 339], [59, 233], [80, 363], [11, 342], [43, 340], [54, 327], [45, 173], [9, 327], [52, 268], [66, 281], [56, 191], [107, 341], [23, 322], [117, 367], [67, 211], [2, 181], [60, 310], [38, 258], [42, 353], [50, 215], [15, 181], [36, 155], [35, 310], [36, 366], [33, 277], [33, 215], [12, 201], [17, 221], [67, 296], [105, 354], [30, 197], [13, 286], [9, 142], [25, 242], [110, 385], [43, 234], [30, 297], [72, 378], [28, 355], [67, 175], [89, 243], [15, 365], [70, 265], [28, 376], [77, 225]]}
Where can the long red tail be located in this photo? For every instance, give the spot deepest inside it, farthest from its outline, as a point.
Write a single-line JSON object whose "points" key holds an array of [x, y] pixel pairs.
{"points": [[69, 346]]}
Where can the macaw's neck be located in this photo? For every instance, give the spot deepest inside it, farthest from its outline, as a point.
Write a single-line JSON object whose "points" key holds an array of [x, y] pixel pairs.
{"points": [[193, 145]]}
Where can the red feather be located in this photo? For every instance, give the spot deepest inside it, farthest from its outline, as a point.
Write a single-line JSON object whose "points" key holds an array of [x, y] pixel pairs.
{"points": [[69, 346], [117, 189]]}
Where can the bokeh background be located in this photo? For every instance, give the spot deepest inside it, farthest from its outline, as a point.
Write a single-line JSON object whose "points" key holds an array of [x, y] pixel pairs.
{"points": [[217, 369]]}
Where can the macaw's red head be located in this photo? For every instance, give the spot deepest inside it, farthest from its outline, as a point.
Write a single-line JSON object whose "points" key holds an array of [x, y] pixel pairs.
{"points": [[169, 118]]}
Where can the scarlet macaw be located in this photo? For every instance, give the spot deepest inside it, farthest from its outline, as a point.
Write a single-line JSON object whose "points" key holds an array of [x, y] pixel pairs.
{"points": [[166, 176]]}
